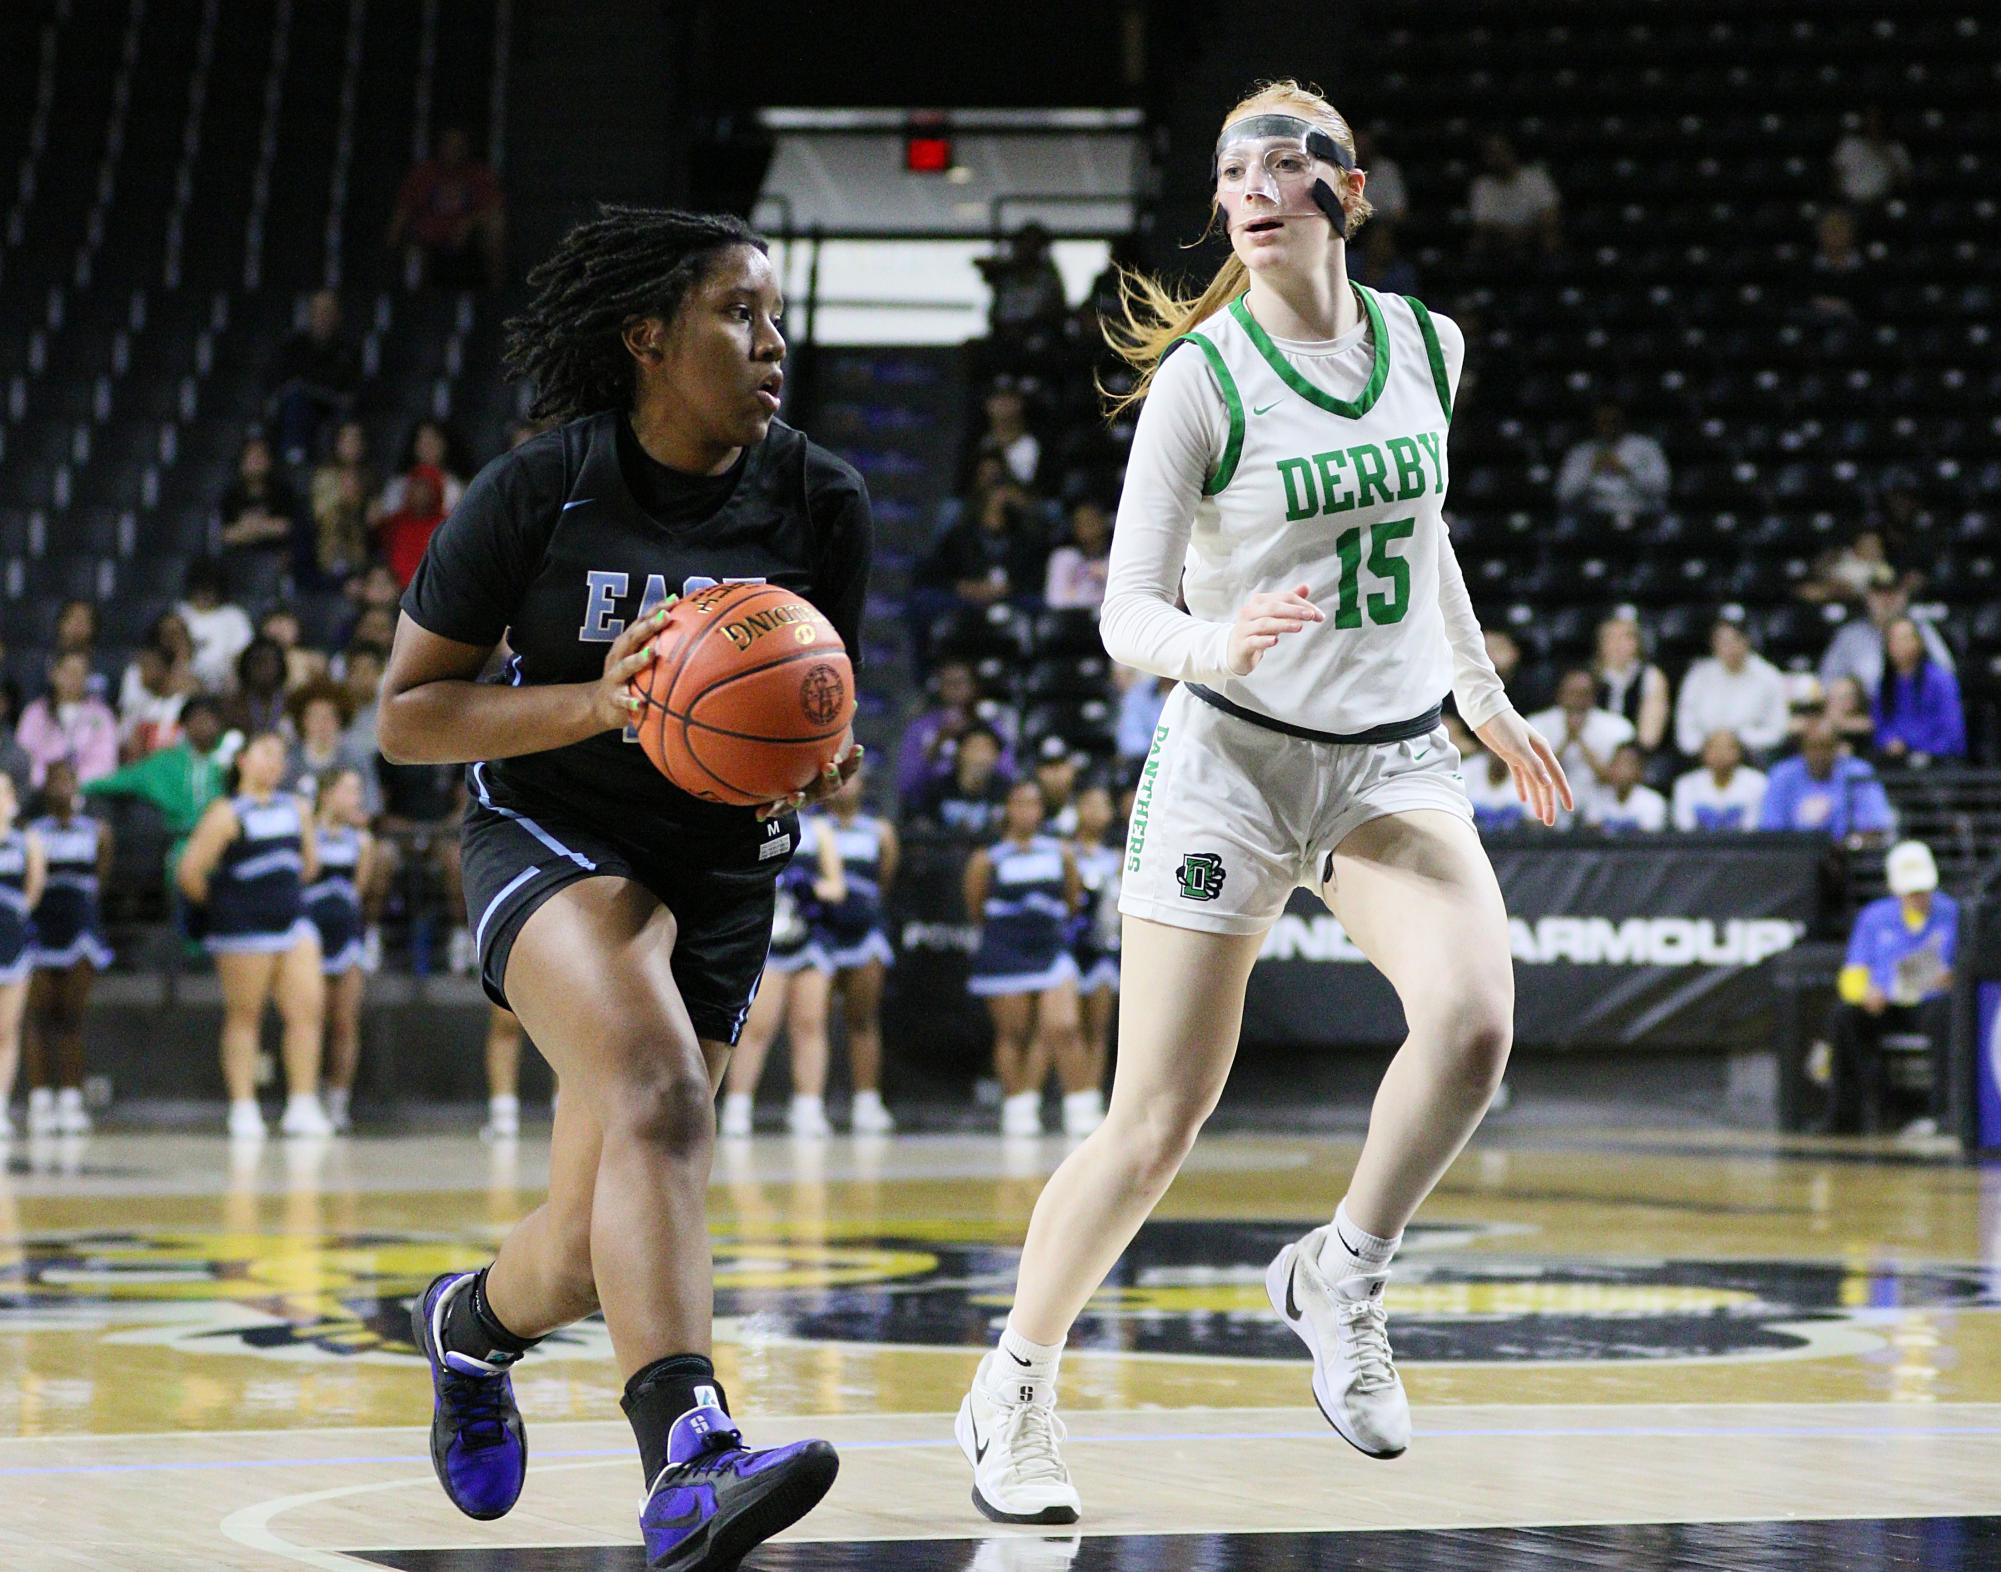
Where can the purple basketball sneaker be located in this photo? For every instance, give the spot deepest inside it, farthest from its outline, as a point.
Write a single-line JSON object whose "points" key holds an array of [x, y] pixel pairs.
{"points": [[477, 1444], [716, 1500]]}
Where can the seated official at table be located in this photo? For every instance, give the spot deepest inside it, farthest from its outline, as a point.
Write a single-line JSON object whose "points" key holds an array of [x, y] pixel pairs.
{"points": [[1897, 979]]}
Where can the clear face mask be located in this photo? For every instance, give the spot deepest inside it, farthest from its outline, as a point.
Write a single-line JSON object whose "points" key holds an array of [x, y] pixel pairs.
{"points": [[1281, 160]]}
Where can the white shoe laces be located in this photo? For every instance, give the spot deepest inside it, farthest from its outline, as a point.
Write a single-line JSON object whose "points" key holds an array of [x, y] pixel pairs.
{"points": [[1365, 1337], [1032, 1434]]}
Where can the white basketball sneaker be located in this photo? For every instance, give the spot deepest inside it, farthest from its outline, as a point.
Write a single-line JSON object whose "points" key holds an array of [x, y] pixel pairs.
{"points": [[1018, 1472], [734, 1123], [1355, 1380], [1083, 1112], [1021, 1114], [246, 1121], [305, 1118], [71, 1119], [868, 1116], [806, 1117], [503, 1120]]}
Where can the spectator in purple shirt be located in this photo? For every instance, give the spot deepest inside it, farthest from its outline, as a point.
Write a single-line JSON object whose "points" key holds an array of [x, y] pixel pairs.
{"points": [[1918, 713], [925, 752], [1823, 788]]}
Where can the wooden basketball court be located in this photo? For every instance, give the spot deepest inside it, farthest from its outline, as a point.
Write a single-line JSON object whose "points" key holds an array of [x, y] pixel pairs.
{"points": [[1623, 1350]]}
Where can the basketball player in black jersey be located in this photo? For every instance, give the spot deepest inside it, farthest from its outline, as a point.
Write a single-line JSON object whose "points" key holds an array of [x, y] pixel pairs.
{"points": [[624, 921]]}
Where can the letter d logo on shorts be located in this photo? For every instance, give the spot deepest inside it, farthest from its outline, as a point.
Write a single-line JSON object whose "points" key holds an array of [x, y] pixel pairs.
{"points": [[1202, 876]]}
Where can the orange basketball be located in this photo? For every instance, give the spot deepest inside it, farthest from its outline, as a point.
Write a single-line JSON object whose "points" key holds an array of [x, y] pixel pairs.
{"points": [[751, 697]]}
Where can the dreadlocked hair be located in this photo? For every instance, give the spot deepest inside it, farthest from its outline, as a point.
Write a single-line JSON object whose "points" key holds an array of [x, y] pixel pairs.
{"points": [[607, 273]]}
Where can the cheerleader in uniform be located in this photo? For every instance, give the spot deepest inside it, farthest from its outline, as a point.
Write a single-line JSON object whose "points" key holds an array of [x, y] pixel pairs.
{"points": [[250, 857], [1022, 891], [333, 905], [1094, 942], [23, 869], [857, 945], [792, 992], [69, 953], [503, 1076]]}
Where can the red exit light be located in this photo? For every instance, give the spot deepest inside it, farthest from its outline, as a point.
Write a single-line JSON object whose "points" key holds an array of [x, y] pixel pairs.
{"points": [[927, 155]]}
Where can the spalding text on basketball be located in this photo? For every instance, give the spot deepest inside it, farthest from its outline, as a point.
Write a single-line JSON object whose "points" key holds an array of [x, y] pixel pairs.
{"points": [[747, 630]]}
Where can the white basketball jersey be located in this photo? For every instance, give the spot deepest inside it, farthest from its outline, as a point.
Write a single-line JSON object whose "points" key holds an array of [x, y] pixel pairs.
{"points": [[1346, 497]]}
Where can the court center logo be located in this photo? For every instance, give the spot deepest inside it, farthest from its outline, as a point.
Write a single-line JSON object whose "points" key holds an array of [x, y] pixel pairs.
{"points": [[1201, 875], [331, 1296], [1186, 1287]]}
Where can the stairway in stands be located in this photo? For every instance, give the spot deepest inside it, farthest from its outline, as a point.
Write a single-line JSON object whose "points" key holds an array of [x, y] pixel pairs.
{"points": [[892, 411]]}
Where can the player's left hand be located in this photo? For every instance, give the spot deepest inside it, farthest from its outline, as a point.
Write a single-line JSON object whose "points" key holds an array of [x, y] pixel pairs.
{"points": [[1539, 778], [829, 781]]}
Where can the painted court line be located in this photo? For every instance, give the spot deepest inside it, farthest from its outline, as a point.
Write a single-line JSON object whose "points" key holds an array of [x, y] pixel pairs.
{"points": [[1178, 1437]]}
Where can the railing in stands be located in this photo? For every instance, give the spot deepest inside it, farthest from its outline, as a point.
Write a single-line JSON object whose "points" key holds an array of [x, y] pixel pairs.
{"points": [[1954, 809]]}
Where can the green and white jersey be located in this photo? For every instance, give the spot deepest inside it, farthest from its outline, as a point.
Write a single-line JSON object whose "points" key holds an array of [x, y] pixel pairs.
{"points": [[1260, 464]]}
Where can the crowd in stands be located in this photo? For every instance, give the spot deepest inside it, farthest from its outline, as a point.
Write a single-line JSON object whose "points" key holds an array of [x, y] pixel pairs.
{"points": [[1739, 744], [1731, 741], [285, 630]]}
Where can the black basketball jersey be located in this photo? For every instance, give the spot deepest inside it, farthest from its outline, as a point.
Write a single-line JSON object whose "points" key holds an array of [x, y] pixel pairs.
{"points": [[551, 547]]}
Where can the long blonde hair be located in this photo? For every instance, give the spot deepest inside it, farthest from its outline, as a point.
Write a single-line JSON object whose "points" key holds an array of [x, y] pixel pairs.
{"points": [[1152, 315]]}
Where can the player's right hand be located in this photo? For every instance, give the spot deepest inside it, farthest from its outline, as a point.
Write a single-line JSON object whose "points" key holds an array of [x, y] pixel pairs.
{"points": [[615, 705], [1263, 620]]}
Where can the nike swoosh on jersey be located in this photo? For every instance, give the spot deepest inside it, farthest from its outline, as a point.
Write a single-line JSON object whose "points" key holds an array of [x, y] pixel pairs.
{"points": [[580, 502], [1261, 409]]}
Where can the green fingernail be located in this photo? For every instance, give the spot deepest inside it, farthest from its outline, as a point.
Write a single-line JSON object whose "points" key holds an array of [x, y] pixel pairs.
{"points": [[660, 615]]}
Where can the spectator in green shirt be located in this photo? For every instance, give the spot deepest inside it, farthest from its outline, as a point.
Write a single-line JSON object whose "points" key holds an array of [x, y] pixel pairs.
{"points": [[180, 780]]}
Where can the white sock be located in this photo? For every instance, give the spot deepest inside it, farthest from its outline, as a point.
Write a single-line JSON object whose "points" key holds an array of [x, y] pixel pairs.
{"points": [[301, 1100], [1349, 1251], [250, 1103], [68, 1097], [1021, 1371], [733, 1100], [1088, 1102], [805, 1102], [337, 1103], [503, 1106], [868, 1099]]}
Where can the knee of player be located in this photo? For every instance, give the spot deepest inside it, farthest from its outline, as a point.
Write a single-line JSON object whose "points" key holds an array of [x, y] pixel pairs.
{"points": [[1478, 1030], [672, 1113], [1157, 1135]]}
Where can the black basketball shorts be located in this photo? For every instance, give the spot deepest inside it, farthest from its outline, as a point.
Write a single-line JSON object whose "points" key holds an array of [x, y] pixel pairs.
{"points": [[514, 862]]}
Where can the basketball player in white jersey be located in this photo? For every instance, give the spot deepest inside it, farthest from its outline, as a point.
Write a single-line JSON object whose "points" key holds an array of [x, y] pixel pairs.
{"points": [[1287, 477]]}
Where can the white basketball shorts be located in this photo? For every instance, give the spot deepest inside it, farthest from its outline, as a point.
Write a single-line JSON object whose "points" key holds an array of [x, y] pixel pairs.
{"points": [[1230, 815]]}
